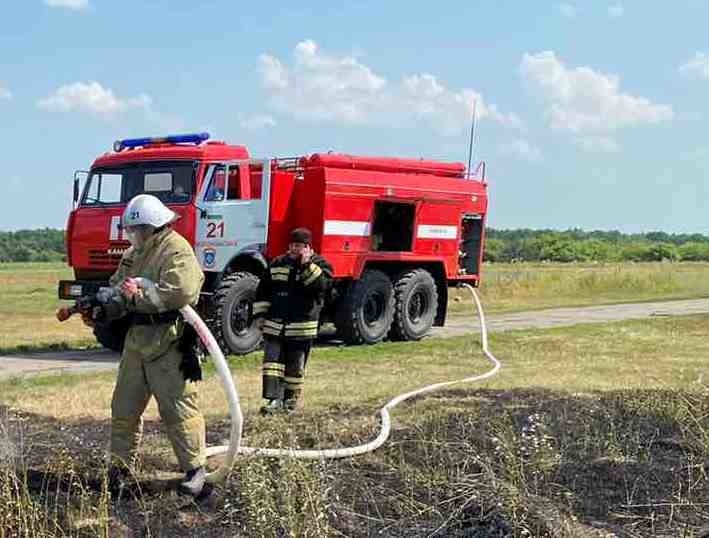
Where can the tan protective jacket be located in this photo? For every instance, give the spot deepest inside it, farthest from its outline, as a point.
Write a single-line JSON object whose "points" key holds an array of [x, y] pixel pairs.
{"points": [[166, 259]]}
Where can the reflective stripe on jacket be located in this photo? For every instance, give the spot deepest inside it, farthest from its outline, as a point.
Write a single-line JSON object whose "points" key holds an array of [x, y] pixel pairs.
{"points": [[290, 296]]}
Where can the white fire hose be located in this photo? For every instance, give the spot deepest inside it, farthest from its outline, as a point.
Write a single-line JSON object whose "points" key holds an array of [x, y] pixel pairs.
{"points": [[234, 447]]}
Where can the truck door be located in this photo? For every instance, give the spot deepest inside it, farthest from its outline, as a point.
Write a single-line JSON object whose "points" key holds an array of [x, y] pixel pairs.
{"points": [[233, 212], [470, 254]]}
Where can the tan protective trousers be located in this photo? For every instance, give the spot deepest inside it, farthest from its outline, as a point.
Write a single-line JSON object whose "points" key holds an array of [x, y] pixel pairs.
{"points": [[177, 399]]}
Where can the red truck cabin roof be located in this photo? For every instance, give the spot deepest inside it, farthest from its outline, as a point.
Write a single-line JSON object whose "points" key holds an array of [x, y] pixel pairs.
{"points": [[211, 151]]}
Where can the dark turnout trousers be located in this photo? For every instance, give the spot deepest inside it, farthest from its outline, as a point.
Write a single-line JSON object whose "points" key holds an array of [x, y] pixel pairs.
{"points": [[284, 368]]}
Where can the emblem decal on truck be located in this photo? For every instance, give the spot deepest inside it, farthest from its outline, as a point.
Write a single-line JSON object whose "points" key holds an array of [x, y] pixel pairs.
{"points": [[209, 257]]}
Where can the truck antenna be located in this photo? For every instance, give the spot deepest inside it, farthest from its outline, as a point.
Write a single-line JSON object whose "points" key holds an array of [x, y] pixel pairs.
{"points": [[472, 138]]}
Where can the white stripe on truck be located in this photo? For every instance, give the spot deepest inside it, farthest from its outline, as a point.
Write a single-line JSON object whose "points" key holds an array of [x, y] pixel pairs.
{"points": [[436, 231], [359, 228]]}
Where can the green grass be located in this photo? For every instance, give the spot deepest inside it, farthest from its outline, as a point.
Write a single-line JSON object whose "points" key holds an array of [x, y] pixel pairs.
{"points": [[28, 306], [528, 286], [29, 294], [663, 353], [587, 429]]}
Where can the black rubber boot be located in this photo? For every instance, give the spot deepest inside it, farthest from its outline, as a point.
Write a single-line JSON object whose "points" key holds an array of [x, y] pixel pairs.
{"points": [[293, 400], [118, 478], [272, 407], [193, 483], [272, 387]]}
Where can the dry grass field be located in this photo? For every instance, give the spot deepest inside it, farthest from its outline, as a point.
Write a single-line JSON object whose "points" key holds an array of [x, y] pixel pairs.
{"points": [[594, 430]]}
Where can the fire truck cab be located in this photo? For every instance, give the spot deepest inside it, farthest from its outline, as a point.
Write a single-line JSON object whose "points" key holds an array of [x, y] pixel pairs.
{"points": [[398, 232]]}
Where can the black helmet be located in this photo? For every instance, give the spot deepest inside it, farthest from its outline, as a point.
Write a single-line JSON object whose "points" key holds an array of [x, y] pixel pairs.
{"points": [[301, 235]]}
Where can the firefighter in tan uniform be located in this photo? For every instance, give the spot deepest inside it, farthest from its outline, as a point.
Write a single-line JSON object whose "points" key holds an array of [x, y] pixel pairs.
{"points": [[158, 275], [289, 298]]}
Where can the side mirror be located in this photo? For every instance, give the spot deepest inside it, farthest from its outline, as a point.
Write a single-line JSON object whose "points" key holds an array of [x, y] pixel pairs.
{"points": [[78, 175]]}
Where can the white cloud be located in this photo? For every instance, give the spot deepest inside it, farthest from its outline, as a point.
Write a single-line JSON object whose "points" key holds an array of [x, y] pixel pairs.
{"points": [[76, 5], [616, 10], [323, 87], [5, 93], [273, 74], [583, 100], [522, 149], [567, 10], [598, 143], [91, 97], [257, 122], [697, 66], [427, 98]]}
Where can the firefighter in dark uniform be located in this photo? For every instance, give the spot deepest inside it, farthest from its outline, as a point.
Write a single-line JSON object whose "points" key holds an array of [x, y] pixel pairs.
{"points": [[289, 299]]}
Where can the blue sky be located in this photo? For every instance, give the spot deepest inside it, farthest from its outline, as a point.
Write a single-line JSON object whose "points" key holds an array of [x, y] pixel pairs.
{"points": [[592, 114]]}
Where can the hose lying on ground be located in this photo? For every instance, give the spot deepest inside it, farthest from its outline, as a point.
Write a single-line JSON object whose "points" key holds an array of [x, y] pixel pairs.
{"points": [[234, 447]]}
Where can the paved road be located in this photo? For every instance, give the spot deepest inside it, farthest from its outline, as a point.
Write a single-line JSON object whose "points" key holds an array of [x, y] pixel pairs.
{"points": [[97, 360], [558, 317]]}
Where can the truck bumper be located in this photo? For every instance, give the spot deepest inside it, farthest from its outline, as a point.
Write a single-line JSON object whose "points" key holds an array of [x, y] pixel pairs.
{"points": [[73, 289]]}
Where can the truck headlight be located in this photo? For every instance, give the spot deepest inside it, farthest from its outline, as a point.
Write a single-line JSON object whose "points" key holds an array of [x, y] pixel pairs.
{"points": [[72, 290]]}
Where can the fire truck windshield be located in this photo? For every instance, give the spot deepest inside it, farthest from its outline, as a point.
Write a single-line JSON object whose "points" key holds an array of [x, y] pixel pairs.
{"points": [[172, 182]]}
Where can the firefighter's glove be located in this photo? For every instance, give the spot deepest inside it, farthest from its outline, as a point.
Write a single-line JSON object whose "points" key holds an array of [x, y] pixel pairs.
{"points": [[191, 354], [130, 288]]}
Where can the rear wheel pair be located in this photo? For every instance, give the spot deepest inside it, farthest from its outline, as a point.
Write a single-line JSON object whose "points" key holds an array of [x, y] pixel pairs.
{"points": [[375, 307]]}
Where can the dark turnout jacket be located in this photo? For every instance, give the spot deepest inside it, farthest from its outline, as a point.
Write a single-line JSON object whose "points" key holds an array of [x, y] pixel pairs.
{"points": [[290, 297]]}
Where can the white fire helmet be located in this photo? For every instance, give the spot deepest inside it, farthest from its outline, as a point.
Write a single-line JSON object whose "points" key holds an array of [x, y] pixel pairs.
{"points": [[147, 209]]}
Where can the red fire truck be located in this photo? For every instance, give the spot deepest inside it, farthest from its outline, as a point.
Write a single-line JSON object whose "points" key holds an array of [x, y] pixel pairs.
{"points": [[398, 232]]}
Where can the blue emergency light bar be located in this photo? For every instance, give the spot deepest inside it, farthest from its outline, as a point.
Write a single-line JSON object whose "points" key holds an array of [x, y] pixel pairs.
{"points": [[190, 138]]}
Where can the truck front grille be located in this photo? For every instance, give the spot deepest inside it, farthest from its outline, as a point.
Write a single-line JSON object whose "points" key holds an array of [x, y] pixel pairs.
{"points": [[101, 258]]}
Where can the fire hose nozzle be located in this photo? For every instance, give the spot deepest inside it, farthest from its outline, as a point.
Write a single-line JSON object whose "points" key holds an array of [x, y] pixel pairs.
{"points": [[65, 313]]}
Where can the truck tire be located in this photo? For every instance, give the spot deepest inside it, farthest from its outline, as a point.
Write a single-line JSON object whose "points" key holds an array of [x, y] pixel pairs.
{"points": [[233, 325], [416, 305], [112, 335], [367, 310]]}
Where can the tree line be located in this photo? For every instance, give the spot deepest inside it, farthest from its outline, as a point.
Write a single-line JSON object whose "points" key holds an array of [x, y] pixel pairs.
{"points": [[45, 245], [594, 246], [501, 246]]}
